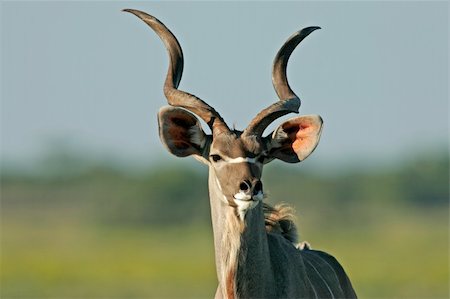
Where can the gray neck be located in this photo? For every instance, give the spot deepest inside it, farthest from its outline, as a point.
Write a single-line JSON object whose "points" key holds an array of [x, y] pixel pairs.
{"points": [[254, 273], [241, 248]]}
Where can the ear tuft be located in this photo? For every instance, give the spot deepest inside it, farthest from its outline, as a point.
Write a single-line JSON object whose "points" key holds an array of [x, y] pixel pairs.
{"points": [[294, 140], [180, 132]]}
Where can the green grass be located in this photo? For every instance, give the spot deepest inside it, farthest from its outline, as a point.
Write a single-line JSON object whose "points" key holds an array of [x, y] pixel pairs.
{"points": [[65, 259], [401, 256], [56, 254]]}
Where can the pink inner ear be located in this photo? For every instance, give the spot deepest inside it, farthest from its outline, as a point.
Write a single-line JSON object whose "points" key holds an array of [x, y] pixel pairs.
{"points": [[301, 142], [303, 135]]}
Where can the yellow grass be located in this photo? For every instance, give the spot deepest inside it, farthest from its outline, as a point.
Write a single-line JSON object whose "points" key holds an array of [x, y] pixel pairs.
{"points": [[55, 255]]}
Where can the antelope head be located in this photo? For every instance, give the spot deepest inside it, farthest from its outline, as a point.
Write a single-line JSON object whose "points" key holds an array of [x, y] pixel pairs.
{"points": [[235, 158]]}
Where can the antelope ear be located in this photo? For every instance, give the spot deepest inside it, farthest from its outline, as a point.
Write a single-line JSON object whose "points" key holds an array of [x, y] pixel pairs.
{"points": [[181, 132], [294, 140]]}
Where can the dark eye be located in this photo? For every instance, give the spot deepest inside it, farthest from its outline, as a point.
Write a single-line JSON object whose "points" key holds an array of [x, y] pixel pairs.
{"points": [[216, 158]]}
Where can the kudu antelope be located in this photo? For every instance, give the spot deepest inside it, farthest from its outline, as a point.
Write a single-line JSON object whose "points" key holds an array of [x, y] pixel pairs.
{"points": [[255, 244]]}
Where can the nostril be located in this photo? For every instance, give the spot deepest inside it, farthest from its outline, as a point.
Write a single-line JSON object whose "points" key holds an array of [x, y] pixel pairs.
{"points": [[244, 186], [258, 187]]}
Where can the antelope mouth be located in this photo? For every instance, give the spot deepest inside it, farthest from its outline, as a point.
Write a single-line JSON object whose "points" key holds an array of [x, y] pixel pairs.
{"points": [[248, 198], [246, 202], [242, 197]]}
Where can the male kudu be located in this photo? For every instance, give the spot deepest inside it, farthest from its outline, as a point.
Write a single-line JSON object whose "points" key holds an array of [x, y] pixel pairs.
{"points": [[254, 243]]}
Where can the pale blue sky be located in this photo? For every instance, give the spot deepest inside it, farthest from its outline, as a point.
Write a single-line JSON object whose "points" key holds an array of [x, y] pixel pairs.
{"points": [[92, 75]]}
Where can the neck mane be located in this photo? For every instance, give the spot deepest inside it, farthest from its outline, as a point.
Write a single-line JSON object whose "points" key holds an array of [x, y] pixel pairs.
{"points": [[241, 248]]}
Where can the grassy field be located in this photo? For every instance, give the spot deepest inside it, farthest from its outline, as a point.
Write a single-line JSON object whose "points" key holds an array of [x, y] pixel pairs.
{"points": [[106, 233], [58, 257], [54, 254]]}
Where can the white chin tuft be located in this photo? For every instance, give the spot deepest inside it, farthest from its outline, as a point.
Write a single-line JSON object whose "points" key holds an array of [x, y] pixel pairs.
{"points": [[245, 202]]}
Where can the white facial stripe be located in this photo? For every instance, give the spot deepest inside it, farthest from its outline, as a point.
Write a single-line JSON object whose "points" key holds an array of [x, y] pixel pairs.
{"points": [[218, 185], [224, 199], [241, 160]]}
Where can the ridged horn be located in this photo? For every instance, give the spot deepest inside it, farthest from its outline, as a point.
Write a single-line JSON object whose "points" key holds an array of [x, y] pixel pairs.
{"points": [[289, 101], [176, 97]]}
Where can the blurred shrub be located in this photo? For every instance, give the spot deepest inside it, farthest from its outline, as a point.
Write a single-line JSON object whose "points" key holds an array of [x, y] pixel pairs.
{"points": [[172, 195], [425, 181], [162, 196]]}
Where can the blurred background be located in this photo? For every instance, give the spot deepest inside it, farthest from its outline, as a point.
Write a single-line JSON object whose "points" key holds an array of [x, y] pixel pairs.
{"points": [[92, 206]]}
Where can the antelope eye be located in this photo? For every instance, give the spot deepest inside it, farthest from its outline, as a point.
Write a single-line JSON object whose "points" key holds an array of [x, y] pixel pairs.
{"points": [[216, 158]]}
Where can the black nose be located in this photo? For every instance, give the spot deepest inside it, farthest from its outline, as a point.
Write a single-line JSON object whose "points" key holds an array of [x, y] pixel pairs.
{"points": [[245, 186], [258, 187]]}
